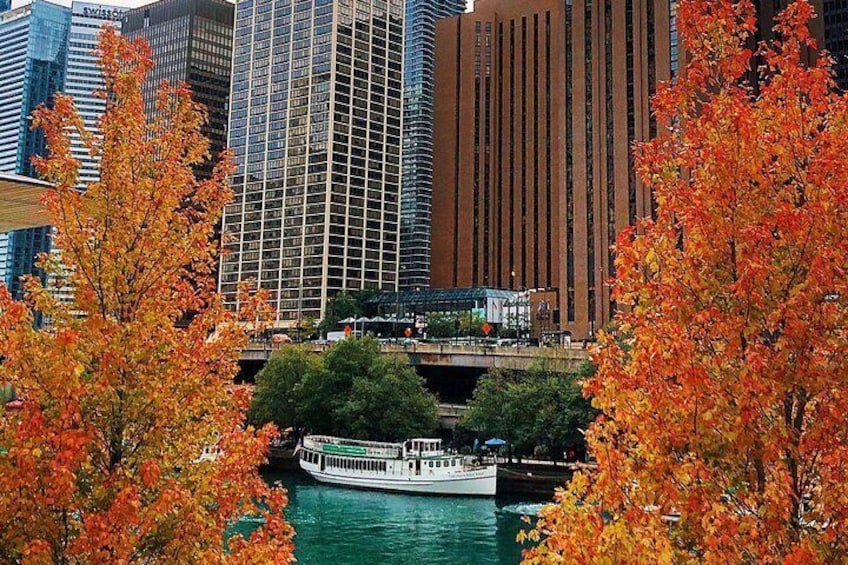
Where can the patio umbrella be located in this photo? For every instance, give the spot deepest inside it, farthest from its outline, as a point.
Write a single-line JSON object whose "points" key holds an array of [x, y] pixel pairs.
{"points": [[495, 442], [349, 320]]}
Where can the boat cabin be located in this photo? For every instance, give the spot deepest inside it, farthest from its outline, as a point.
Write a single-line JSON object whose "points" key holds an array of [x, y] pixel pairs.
{"points": [[423, 447]]}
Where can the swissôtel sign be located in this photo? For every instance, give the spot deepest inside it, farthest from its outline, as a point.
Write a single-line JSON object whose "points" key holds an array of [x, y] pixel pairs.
{"points": [[99, 12]]}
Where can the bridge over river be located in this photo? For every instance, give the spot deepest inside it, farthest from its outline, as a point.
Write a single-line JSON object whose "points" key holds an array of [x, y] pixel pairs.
{"points": [[448, 355]]}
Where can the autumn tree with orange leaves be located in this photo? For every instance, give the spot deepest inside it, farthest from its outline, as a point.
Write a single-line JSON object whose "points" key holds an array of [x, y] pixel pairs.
{"points": [[724, 434], [103, 463]]}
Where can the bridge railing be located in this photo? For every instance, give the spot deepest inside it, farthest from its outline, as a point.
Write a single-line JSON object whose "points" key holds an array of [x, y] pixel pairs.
{"points": [[442, 348]]}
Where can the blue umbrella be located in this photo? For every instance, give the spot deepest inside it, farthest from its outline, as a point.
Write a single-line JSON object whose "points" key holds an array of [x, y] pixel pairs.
{"points": [[495, 442]]}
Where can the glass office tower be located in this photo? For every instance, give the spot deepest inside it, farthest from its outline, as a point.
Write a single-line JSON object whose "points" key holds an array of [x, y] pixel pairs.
{"points": [[33, 56], [315, 125], [192, 42], [83, 76], [44, 49], [417, 178], [835, 14]]}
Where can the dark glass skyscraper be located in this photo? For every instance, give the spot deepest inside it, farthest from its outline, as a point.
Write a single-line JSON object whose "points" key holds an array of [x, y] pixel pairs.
{"points": [[192, 42], [417, 181], [836, 37]]}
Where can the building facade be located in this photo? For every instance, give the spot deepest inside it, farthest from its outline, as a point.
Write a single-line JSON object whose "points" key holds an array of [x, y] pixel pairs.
{"points": [[315, 126], [33, 58], [192, 42], [417, 168], [835, 18], [83, 78], [44, 49], [537, 107]]}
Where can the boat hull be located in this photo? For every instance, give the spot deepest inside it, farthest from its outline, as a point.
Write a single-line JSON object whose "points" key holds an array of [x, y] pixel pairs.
{"points": [[482, 483]]}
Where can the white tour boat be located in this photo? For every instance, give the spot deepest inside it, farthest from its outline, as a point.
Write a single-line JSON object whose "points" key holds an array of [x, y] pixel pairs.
{"points": [[417, 466]]}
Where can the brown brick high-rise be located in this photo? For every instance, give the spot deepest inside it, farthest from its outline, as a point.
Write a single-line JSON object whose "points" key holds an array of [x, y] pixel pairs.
{"points": [[537, 105]]}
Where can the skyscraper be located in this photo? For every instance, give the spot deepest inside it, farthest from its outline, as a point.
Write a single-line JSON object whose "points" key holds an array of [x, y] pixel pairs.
{"points": [[537, 107], [33, 55], [835, 13], [191, 41], [84, 81], [83, 77], [45, 49], [315, 125], [417, 177]]}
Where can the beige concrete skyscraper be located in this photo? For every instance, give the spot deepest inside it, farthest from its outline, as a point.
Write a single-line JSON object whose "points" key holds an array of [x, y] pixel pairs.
{"points": [[315, 125]]}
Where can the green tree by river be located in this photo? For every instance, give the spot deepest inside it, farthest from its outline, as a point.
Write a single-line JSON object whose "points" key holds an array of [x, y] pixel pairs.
{"points": [[539, 412], [351, 390]]}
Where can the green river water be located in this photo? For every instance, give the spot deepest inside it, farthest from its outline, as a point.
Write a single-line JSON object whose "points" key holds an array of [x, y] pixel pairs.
{"points": [[350, 527]]}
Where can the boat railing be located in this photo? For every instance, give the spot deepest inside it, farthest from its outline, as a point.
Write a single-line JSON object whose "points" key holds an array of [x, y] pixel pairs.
{"points": [[371, 448]]}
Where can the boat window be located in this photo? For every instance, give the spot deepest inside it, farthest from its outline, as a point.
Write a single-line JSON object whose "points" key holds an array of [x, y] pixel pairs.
{"points": [[438, 463], [431, 463]]}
